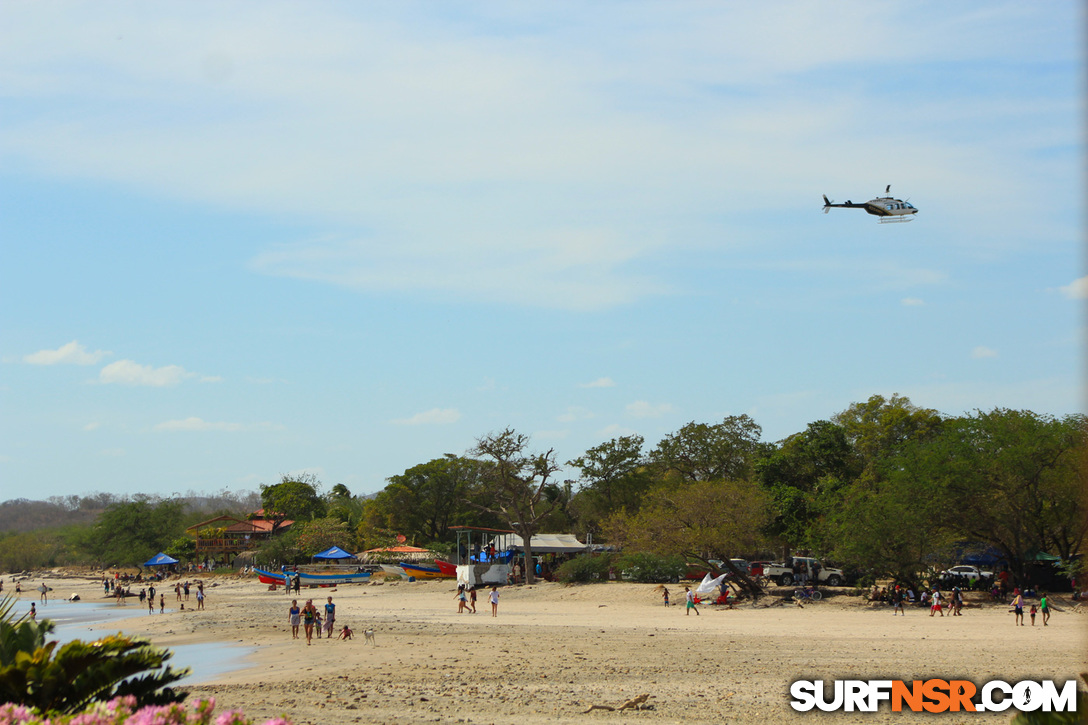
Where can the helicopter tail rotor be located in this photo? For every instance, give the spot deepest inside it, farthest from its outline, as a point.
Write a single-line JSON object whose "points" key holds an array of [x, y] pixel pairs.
{"points": [[827, 204]]}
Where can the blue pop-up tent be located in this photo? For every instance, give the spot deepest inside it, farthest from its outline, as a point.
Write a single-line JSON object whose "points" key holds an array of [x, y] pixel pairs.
{"points": [[160, 559], [334, 552]]}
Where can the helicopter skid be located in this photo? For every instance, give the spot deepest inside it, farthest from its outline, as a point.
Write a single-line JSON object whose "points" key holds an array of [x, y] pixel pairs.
{"points": [[896, 219]]}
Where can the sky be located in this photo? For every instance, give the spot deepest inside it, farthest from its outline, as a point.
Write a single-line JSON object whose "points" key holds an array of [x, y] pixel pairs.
{"points": [[240, 241]]}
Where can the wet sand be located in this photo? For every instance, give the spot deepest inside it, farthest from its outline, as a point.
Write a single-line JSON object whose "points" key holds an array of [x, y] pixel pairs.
{"points": [[554, 651]]}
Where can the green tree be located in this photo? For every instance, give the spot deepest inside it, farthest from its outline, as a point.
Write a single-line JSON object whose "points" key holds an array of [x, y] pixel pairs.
{"points": [[701, 452], [879, 428], [424, 501], [1013, 479], [514, 484], [804, 475], [614, 477], [701, 520], [130, 532], [294, 498], [315, 536]]}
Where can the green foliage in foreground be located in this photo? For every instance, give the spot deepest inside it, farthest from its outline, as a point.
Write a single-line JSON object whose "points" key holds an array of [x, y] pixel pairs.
{"points": [[70, 678], [39, 675], [585, 568]]}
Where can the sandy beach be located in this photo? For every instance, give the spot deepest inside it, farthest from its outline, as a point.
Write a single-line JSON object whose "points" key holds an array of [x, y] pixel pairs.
{"points": [[553, 651]]}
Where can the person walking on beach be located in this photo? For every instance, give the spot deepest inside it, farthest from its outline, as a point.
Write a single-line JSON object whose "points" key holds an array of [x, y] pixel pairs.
{"points": [[185, 588], [330, 617], [1044, 607], [897, 600], [200, 598], [298, 584], [151, 601], [177, 590], [665, 595], [162, 603], [936, 607], [472, 598], [462, 602], [294, 615], [1018, 607], [309, 614], [493, 597], [33, 613], [690, 596], [44, 593]]}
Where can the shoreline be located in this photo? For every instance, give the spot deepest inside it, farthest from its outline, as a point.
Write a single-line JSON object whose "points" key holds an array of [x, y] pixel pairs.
{"points": [[555, 650]]}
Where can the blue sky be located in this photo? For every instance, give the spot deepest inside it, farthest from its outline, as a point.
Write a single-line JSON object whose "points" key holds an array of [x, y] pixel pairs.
{"points": [[252, 239]]}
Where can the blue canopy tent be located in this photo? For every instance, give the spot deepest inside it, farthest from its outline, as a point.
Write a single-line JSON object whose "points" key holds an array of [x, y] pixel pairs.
{"points": [[334, 553], [160, 559]]}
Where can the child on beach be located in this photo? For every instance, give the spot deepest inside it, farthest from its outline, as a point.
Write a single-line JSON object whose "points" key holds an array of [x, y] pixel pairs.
{"points": [[330, 618], [665, 595], [690, 596], [162, 603], [936, 599], [1032, 614], [493, 597], [472, 598], [346, 632], [462, 602]]}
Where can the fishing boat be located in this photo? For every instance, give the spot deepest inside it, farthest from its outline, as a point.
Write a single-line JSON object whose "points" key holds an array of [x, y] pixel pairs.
{"points": [[441, 570], [269, 577], [310, 579], [346, 577]]}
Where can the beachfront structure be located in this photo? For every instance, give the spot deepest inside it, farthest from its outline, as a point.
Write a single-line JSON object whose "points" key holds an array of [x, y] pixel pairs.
{"points": [[234, 535]]}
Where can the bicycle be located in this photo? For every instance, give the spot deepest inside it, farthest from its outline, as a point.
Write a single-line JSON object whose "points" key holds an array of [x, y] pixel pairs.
{"points": [[807, 594]]}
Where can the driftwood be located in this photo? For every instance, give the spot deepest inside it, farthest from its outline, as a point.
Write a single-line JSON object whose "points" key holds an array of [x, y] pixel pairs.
{"points": [[635, 703]]}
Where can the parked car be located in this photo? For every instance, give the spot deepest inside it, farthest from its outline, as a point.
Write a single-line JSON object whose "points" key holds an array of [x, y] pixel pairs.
{"points": [[784, 575], [971, 573]]}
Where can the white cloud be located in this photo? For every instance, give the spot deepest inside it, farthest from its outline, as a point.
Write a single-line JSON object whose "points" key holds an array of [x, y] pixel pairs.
{"points": [[599, 383], [642, 409], [574, 413], [127, 372], [615, 430], [434, 416], [198, 424], [1077, 289], [982, 351], [72, 354], [912, 302], [211, 379], [94, 425]]}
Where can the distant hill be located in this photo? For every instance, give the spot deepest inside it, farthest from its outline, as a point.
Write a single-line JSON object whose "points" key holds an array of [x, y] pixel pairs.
{"points": [[21, 515]]}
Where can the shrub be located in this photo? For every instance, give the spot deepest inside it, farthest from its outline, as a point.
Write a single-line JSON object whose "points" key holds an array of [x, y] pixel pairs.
{"points": [[585, 568], [122, 710], [651, 568]]}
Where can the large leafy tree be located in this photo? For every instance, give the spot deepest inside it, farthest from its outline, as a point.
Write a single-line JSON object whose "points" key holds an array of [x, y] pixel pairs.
{"points": [[614, 477], [1013, 479], [702, 520], [804, 476], [880, 428], [295, 498], [702, 452], [515, 485], [317, 535], [424, 501], [130, 532]]}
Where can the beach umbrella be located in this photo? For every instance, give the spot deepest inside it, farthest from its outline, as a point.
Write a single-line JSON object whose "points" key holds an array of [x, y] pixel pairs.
{"points": [[160, 559]]}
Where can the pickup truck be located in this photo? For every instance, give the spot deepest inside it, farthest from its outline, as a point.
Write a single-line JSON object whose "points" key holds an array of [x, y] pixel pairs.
{"points": [[783, 575]]}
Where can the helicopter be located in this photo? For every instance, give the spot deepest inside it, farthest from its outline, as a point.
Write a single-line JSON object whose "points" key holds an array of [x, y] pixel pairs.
{"points": [[885, 207]]}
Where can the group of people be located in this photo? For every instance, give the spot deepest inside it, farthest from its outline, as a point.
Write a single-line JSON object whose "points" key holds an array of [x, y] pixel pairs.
{"points": [[310, 619], [466, 599], [181, 589], [1018, 609]]}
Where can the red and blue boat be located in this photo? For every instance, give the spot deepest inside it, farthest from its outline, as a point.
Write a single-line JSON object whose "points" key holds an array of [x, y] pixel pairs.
{"points": [[441, 570]]}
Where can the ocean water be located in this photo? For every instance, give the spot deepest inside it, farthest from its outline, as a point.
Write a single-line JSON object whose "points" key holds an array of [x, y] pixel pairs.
{"points": [[74, 620]]}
